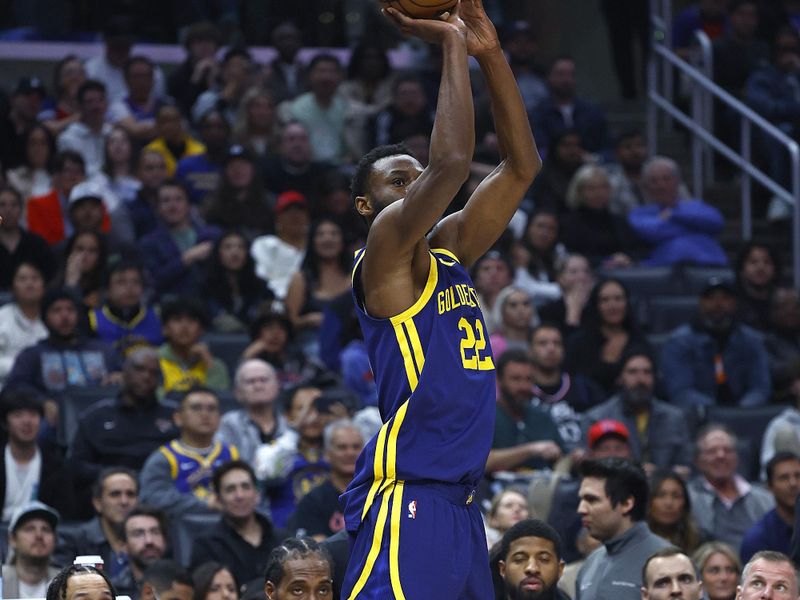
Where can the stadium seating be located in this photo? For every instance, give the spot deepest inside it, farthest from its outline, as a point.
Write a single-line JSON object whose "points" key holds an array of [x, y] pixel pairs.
{"points": [[668, 312], [185, 531], [72, 404], [748, 424], [227, 347]]}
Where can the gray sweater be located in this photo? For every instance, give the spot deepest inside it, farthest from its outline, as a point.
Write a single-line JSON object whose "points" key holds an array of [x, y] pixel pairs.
{"points": [[614, 570]]}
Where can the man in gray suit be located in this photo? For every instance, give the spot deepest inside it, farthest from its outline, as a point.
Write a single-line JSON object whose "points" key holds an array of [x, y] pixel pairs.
{"points": [[32, 537], [662, 442]]}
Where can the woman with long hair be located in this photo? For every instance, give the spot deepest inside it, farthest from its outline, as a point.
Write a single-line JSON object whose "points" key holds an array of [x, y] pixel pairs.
{"points": [[608, 330], [669, 513], [719, 568], [214, 581], [256, 126], [537, 255], [234, 292], [240, 201], [119, 165], [323, 276], [516, 315], [85, 266], [33, 177]]}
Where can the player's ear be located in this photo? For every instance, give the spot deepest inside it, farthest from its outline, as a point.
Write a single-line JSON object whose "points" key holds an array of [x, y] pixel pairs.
{"points": [[364, 206]]}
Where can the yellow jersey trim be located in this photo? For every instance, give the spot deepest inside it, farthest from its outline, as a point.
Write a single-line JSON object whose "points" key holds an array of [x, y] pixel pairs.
{"points": [[173, 464], [394, 541], [374, 549], [377, 469], [430, 286], [446, 253]]}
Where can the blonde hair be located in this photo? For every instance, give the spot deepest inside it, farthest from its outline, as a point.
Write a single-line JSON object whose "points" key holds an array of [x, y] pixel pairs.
{"points": [[709, 549], [241, 126], [574, 198]]}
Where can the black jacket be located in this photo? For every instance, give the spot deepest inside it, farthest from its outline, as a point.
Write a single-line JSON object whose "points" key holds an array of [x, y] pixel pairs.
{"points": [[226, 546]]}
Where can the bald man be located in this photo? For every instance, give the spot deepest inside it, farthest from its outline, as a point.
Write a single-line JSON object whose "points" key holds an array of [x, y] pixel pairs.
{"points": [[258, 421]]}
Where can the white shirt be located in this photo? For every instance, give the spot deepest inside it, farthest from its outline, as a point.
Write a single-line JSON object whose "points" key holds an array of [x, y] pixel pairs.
{"points": [[17, 332], [37, 590], [87, 143], [276, 262], [22, 482]]}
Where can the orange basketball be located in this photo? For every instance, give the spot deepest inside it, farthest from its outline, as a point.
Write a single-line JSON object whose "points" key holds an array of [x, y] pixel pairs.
{"points": [[421, 9]]}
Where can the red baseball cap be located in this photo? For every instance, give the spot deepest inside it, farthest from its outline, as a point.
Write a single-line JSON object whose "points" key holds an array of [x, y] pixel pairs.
{"points": [[290, 199], [606, 427]]}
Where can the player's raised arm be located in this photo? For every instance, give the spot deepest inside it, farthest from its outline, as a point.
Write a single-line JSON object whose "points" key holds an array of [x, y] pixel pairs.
{"points": [[472, 231], [426, 196]]}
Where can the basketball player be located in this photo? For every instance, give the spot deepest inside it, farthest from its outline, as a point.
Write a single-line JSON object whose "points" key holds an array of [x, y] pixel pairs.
{"points": [[416, 532]]}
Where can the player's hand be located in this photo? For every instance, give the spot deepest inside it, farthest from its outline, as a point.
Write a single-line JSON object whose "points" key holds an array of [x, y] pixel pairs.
{"points": [[429, 30], [481, 34]]}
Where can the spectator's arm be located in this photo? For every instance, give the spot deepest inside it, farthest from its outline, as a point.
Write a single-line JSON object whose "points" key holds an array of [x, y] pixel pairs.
{"points": [[698, 216], [505, 459], [25, 370], [158, 489], [650, 227]]}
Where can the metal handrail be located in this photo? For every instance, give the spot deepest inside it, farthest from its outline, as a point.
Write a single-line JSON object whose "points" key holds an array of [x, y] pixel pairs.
{"points": [[700, 124], [704, 61]]}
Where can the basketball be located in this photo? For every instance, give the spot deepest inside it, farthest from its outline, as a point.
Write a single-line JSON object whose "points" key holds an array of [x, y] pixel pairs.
{"points": [[420, 9]]}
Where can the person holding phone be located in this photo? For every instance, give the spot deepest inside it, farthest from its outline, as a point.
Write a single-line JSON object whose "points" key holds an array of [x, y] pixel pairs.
{"points": [[294, 464]]}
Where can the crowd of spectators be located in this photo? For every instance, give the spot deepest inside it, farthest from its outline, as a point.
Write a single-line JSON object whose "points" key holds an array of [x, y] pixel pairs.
{"points": [[184, 376]]}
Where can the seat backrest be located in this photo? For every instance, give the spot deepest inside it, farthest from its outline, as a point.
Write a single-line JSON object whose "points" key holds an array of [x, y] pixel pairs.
{"points": [[644, 282], [749, 425], [72, 403], [185, 531], [665, 314], [692, 280], [227, 347]]}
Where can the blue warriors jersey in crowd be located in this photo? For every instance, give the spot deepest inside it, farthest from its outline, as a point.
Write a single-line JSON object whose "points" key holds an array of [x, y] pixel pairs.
{"points": [[191, 471], [436, 390], [143, 330]]}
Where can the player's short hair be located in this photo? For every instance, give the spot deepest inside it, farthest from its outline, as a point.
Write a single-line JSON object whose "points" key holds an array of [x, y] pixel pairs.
{"points": [[530, 528], [359, 186], [624, 479], [291, 549], [665, 553]]}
